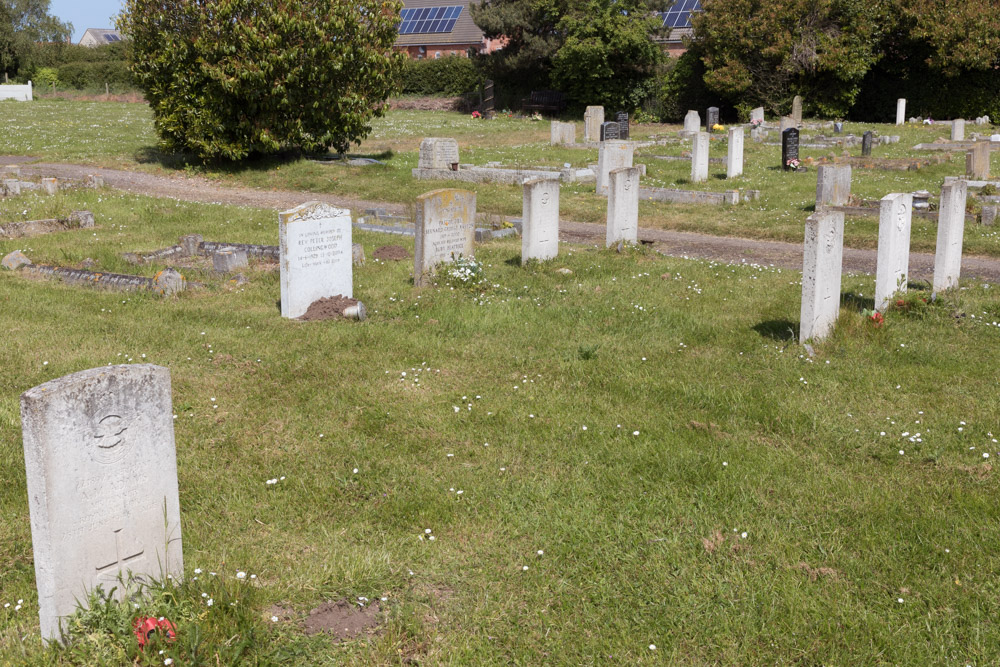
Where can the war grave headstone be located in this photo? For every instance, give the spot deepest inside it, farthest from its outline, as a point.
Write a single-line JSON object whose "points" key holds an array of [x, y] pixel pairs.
{"points": [[540, 220], [314, 242], [622, 119], [797, 108], [711, 118], [610, 131], [102, 484], [790, 149], [623, 206], [951, 229], [900, 111], [822, 267], [893, 256], [734, 153], [866, 143], [757, 115], [593, 118], [977, 161], [438, 153], [692, 122], [958, 130], [612, 155], [699, 158], [833, 185], [445, 230]]}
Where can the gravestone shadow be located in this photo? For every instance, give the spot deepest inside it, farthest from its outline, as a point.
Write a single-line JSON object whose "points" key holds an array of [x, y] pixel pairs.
{"points": [[855, 302], [778, 330]]}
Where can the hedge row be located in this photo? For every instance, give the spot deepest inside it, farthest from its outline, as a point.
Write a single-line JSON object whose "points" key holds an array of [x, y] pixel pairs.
{"points": [[451, 75]]}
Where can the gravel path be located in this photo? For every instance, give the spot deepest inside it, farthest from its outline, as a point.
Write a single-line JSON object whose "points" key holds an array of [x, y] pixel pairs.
{"points": [[689, 244]]}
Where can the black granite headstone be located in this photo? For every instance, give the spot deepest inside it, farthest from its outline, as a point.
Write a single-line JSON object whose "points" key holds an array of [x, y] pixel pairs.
{"points": [[610, 131], [789, 147], [711, 118], [622, 119], [866, 143]]}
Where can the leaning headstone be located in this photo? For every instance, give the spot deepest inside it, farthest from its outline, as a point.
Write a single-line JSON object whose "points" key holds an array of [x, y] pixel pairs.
{"points": [[757, 115], [438, 153], [315, 251], [822, 265], [612, 155], [734, 154], [951, 229], [833, 185], [711, 118], [540, 220], [866, 143], [699, 158], [14, 260], [797, 109], [893, 258], [445, 230], [622, 119], [11, 187], [229, 260], [102, 484], [593, 118], [900, 111], [977, 161], [609, 131], [50, 186], [623, 206], [692, 122], [789, 148], [958, 130]]}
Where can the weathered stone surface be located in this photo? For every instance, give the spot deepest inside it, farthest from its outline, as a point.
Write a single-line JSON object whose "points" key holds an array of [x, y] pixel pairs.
{"points": [[612, 155], [169, 281], [93, 181], [623, 206], [785, 123], [315, 243], [11, 187], [977, 161], [711, 119], [699, 158], [229, 260], [438, 153], [893, 257], [692, 122], [951, 229], [989, 215], [540, 220], [14, 260], [80, 219], [691, 196], [358, 254], [562, 133], [900, 111], [757, 114], [593, 118], [13, 170], [958, 130], [445, 230], [833, 185], [102, 484], [797, 109], [822, 266], [50, 185], [191, 244], [734, 153]]}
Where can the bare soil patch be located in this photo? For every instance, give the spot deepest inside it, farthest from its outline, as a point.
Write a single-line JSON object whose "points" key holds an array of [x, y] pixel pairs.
{"points": [[328, 308], [342, 619], [391, 252]]}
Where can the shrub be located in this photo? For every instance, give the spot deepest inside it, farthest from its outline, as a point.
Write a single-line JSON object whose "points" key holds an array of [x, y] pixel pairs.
{"points": [[451, 75], [46, 76]]}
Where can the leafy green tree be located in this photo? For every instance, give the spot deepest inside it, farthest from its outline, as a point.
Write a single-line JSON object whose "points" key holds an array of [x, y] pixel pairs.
{"points": [[231, 78], [23, 24]]}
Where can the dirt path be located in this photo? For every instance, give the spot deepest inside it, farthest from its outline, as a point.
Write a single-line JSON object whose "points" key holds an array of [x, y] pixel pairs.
{"points": [[689, 244]]}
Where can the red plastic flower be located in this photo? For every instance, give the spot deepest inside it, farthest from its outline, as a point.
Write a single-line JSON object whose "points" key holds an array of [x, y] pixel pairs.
{"points": [[146, 626]]}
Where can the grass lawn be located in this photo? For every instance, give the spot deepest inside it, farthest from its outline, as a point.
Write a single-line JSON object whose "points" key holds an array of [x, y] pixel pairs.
{"points": [[637, 454], [121, 135]]}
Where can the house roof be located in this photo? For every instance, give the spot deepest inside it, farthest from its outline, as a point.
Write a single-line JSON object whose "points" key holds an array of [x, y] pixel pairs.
{"points": [[102, 35], [434, 22]]}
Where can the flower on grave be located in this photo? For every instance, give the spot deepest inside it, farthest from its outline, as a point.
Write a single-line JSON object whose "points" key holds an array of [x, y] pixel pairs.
{"points": [[476, 114], [718, 127], [793, 163], [875, 317], [755, 123]]}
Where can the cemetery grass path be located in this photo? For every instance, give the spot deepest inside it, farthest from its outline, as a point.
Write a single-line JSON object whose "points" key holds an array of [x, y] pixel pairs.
{"points": [[669, 242]]}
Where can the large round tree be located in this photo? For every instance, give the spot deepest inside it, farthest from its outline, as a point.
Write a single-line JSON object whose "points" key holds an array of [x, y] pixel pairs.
{"points": [[232, 78]]}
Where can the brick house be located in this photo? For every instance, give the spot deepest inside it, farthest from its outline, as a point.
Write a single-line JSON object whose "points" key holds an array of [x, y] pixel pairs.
{"points": [[439, 28]]}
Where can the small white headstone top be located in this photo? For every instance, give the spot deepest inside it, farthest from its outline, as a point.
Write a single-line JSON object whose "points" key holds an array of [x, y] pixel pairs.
{"points": [[822, 266], [951, 229], [623, 206], [613, 154], [102, 484], [692, 121], [900, 111], [445, 230], [315, 256], [893, 258], [540, 220], [437, 153]]}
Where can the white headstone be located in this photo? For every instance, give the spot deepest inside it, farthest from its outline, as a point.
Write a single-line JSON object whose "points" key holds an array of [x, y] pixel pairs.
{"points": [[562, 133], [593, 118], [102, 484], [623, 206], [50, 185], [785, 123], [797, 108], [893, 256], [613, 154], [977, 161], [757, 114], [315, 256], [951, 228], [900, 111], [437, 153], [540, 220], [699, 158], [833, 185], [822, 265], [445, 230], [692, 122], [958, 130], [734, 153]]}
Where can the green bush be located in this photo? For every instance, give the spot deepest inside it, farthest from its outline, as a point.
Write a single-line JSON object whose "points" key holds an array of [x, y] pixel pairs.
{"points": [[46, 76], [451, 75], [83, 75]]}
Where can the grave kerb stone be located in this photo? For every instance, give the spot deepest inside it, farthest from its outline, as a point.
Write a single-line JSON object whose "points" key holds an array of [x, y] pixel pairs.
{"points": [[445, 230], [893, 257], [822, 267], [950, 232], [540, 220], [623, 206], [315, 256]]}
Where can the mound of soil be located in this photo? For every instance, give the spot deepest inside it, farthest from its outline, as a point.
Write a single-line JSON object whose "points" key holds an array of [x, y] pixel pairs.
{"points": [[328, 308], [341, 619], [393, 252]]}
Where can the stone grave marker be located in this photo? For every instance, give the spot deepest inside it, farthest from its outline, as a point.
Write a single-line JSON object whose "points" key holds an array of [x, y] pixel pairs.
{"points": [[609, 131], [833, 185], [699, 158], [11, 187], [958, 130], [445, 230], [797, 109], [822, 266], [734, 153], [866, 143], [50, 186], [786, 122], [315, 256], [438, 153], [977, 161], [692, 122], [893, 258], [789, 147], [612, 155], [229, 260], [102, 484], [540, 220], [711, 118], [562, 133], [900, 111], [622, 119], [951, 229], [623, 206], [593, 118], [757, 114]]}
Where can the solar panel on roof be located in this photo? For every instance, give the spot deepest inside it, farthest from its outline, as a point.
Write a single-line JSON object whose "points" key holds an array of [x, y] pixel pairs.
{"points": [[679, 16], [112, 38], [429, 20]]}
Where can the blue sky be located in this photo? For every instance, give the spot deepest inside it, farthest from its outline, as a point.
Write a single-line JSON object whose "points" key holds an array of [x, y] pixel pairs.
{"points": [[85, 14]]}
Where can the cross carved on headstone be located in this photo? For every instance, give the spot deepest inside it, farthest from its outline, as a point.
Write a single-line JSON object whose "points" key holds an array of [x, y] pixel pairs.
{"points": [[126, 552]]}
